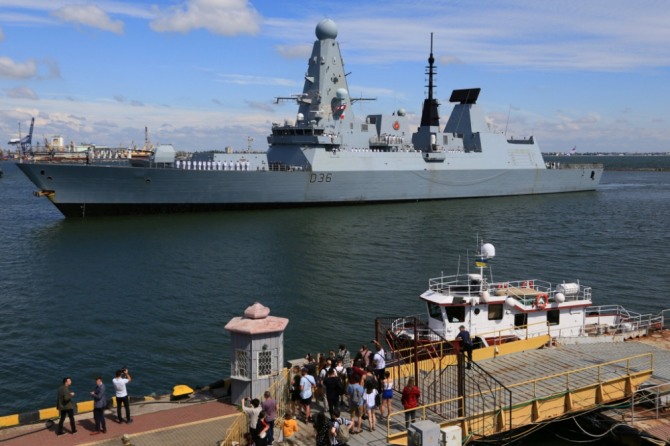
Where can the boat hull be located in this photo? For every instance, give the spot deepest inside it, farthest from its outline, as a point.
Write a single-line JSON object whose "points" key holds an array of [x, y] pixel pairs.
{"points": [[87, 190]]}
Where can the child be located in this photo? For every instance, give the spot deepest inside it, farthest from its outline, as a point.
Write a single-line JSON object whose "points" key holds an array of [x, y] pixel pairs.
{"points": [[369, 398], [289, 427]]}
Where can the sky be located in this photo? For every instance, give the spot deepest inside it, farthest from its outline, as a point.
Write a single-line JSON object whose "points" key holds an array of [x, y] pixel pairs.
{"points": [[204, 74]]}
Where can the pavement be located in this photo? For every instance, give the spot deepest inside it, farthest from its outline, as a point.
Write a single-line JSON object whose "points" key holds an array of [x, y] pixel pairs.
{"points": [[154, 424]]}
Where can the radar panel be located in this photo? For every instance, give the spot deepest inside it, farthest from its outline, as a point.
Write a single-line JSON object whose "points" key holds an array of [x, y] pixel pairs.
{"points": [[465, 96]]}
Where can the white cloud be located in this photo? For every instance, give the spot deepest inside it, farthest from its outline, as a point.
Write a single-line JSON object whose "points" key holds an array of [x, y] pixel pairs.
{"points": [[89, 15], [22, 93], [243, 79], [294, 51], [223, 17], [17, 70]]}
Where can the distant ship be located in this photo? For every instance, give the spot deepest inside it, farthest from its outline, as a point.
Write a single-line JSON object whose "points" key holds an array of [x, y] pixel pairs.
{"points": [[326, 157]]}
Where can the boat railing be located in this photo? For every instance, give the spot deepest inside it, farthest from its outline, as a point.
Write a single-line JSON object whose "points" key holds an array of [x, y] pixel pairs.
{"points": [[617, 319], [649, 402], [520, 332]]}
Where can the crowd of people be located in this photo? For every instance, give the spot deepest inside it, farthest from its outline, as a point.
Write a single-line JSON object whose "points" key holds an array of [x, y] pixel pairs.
{"points": [[337, 383]]}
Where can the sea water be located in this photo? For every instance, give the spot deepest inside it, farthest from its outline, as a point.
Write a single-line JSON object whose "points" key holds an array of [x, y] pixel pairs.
{"points": [[84, 297]]}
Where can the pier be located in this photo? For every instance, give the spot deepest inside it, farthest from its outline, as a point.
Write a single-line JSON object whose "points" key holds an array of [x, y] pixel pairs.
{"points": [[509, 387]]}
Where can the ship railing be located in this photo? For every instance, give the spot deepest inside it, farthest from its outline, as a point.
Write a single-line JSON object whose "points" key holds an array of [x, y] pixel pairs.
{"points": [[648, 402], [617, 319], [501, 335]]}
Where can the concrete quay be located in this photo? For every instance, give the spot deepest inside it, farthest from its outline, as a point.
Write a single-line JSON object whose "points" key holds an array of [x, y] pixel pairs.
{"points": [[154, 424]]}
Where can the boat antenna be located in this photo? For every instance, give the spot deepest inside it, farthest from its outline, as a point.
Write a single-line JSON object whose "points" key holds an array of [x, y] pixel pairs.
{"points": [[429, 115]]}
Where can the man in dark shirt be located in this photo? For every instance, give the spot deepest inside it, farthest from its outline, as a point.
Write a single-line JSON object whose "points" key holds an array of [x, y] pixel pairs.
{"points": [[466, 343]]}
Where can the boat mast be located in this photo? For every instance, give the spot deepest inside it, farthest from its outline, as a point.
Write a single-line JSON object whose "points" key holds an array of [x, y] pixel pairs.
{"points": [[429, 115]]}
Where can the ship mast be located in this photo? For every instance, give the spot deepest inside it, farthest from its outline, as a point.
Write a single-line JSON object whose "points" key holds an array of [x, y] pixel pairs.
{"points": [[430, 116]]}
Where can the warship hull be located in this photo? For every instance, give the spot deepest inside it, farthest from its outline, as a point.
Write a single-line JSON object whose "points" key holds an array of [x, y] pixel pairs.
{"points": [[94, 190]]}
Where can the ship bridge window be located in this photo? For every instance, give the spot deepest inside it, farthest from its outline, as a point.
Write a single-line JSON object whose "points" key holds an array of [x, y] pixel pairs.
{"points": [[434, 311], [495, 312], [553, 317], [455, 314]]}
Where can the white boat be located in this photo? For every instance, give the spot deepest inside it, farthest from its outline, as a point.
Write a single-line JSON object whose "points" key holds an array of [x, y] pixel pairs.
{"points": [[497, 312]]}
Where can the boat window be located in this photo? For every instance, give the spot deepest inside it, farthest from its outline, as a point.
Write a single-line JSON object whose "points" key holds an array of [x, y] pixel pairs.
{"points": [[455, 314], [553, 317], [495, 312], [434, 311], [520, 320]]}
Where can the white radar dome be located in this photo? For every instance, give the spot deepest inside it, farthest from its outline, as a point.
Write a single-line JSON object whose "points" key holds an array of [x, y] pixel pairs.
{"points": [[401, 112], [300, 117], [488, 250], [510, 302], [326, 29], [342, 93], [559, 297]]}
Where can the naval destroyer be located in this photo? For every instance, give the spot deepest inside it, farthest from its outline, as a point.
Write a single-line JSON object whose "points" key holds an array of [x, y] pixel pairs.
{"points": [[325, 157]]}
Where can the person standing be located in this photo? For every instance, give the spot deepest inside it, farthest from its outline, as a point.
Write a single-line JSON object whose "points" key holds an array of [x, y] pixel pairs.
{"points": [[121, 393], [379, 360], [270, 408], [66, 406], [252, 412], [307, 386], [370, 396], [466, 343], [322, 428], [410, 401], [261, 437], [387, 394], [99, 404], [355, 392], [344, 355]]}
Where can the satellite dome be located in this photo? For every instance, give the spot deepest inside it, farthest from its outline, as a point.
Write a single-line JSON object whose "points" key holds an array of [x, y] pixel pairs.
{"points": [[488, 251], [326, 29], [401, 112], [342, 93]]}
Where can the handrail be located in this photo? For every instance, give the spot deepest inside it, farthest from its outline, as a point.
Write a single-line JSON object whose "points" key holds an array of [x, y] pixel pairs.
{"points": [[645, 395], [627, 370], [568, 373]]}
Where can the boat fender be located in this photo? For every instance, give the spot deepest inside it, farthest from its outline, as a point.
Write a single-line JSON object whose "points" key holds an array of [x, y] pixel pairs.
{"points": [[541, 301]]}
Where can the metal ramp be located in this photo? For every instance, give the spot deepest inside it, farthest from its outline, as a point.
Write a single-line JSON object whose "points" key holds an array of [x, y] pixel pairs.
{"points": [[531, 386]]}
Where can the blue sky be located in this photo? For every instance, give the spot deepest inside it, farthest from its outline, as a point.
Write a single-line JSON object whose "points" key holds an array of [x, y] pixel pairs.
{"points": [[203, 74]]}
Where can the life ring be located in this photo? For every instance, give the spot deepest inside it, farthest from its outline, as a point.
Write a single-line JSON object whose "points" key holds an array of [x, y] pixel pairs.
{"points": [[541, 301], [396, 125]]}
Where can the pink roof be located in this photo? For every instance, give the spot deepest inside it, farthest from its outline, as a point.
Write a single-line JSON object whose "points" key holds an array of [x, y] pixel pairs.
{"points": [[257, 320]]}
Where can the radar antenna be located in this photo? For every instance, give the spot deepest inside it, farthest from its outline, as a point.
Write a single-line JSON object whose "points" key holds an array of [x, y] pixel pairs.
{"points": [[430, 116]]}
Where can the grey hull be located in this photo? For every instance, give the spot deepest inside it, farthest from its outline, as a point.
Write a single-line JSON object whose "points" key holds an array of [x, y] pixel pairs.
{"points": [[78, 190]]}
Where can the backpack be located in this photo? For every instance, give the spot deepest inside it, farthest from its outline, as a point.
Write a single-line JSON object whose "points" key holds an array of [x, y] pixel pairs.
{"points": [[356, 396], [342, 433]]}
